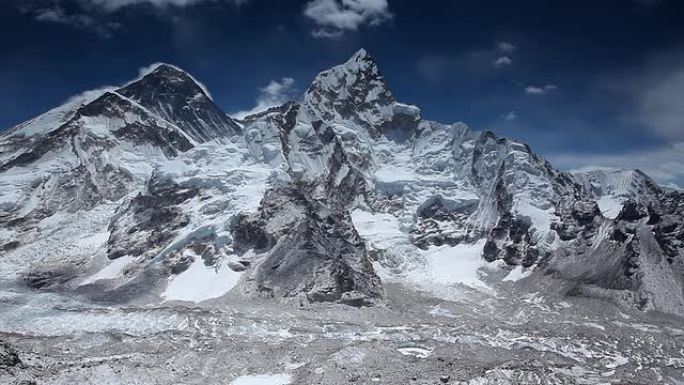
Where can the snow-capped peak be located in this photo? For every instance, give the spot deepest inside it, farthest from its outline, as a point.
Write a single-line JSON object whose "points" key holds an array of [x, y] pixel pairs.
{"points": [[165, 78], [358, 75], [361, 61], [166, 69], [361, 54], [354, 92]]}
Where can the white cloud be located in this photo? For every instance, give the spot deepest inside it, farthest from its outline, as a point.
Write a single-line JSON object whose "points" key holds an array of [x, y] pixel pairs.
{"points": [[334, 17], [57, 15], [327, 34], [274, 94], [94, 14], [113, 5], [540, 90], [505, 47], [511, 115], [664, 164], [503, 61]]}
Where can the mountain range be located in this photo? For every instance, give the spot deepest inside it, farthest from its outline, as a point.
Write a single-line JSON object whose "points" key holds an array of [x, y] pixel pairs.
{"points": [[149, 192]]}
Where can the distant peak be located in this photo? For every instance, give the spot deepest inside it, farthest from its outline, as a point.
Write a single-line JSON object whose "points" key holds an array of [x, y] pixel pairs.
{"points": [[357, 79], [159, 74], [164, 68], [168, 72]]}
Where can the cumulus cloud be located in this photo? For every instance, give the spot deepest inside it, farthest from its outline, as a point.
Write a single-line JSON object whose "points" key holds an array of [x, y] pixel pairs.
{"points": [[505, 47], [664, 164], [540, 90], [504, 50], [274, 94], [503, 61], [510, 115], [334, 17]]}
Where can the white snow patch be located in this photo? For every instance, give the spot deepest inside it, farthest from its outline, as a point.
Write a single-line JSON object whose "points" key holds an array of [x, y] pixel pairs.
{"points": [[415, 352], [111, 271], [610, 206], [389, 174], [438, 311], [518, 273], [95, 240], [595, 325], [458, 264], [199, 282], [437, 270], [263, 379], [350, 355], [617, 361], [379, 228], [541, 219]]}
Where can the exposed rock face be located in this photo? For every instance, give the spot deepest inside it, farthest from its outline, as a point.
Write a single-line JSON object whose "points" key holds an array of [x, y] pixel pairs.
{"points": [[175, 96], [628, 258], [160, 175], [668, 228], [151, 219], [144, 131], [312, 247]]}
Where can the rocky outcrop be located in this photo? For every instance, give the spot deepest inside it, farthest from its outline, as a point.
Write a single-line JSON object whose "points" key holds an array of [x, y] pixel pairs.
{"points": [[150, 220], [313, 250], [303, 225], [627, 259]]}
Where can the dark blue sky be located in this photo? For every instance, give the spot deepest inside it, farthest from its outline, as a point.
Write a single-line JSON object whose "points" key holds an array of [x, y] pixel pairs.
{"points": [[586, 83]]}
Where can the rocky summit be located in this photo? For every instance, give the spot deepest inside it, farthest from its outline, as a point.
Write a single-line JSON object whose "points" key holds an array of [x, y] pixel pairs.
{"points": [[148, 237]]}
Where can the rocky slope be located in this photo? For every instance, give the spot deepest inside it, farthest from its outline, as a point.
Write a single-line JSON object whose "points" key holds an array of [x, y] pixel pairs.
{"points": [[150, 192]]}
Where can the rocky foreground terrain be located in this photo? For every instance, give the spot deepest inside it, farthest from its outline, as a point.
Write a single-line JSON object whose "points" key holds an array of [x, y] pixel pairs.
{"points": [[147, 237], [415, 339]]}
